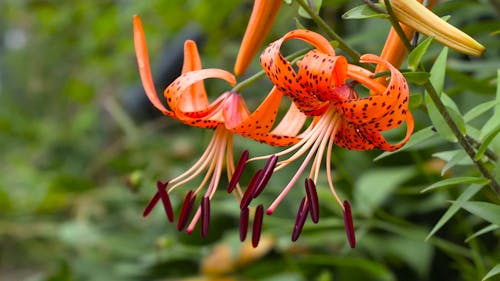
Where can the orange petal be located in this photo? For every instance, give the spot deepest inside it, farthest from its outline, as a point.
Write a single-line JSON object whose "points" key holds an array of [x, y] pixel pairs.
{"points": [[292, 122], [261, 20], [318, 72], [365, 77], [175, 91], [348, 136], [196, 97], [181, 86], [259, 124], [281, 73], [235, 110], [384, 110], [378, 140], [141, 52]]}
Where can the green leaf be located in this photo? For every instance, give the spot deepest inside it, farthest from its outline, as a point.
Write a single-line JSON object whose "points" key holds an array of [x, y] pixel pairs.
{"points": [[418, 78], [494, 271], [455, 181], [368, 198], [482, 231], [455, 206], [417, 138], [493, 121], [416, 55], [459, 156], [317, 6], [488, 211], [416, 100], [438, 120], [457, 117], [363, 12], [480, 109], [438, 71], [486, 142]]}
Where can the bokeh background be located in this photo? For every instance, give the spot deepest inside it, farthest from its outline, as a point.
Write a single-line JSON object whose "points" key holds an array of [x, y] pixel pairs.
{"points": [[81, 150]]}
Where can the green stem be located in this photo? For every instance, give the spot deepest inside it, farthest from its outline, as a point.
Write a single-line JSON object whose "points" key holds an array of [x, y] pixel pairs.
{"points": [[462, 139], [343, 45], [395, 24], [245, 83]]}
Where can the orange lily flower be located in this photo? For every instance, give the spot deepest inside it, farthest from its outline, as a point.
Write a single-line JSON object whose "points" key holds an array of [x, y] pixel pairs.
{"points": [[228, 114], [263, 14], [320, 88]]}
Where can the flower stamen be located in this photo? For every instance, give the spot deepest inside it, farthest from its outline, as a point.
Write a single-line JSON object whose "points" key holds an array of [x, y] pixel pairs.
{"points": [[244, 218], [300, 219], [349, 225], [312, 197], [187, 206], [257, 225]]}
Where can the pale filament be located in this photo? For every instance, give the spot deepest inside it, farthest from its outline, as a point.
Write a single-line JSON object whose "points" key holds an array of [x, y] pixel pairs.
{"points": [[328, 168], [326, 126], [215, 174], [202, 162]]}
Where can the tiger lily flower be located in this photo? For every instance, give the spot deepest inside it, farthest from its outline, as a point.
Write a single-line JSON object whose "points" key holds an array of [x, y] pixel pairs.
{"points": [[320, 89], [414, 14], [263, 14], [228, 114]]}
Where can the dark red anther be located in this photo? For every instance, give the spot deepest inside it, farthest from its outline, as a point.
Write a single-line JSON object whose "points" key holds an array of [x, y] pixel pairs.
{"points": [[238, 170], [244, 216], [257, 225], [153, 201], [187, 206], [312, 197], [205, 215], [264, 178], [248, 195], [165, 200], [348, 224], [300, 219]]}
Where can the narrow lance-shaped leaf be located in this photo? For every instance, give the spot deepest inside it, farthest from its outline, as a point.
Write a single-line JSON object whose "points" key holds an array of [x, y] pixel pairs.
{"points": [[494, 271], [488, 211], [455, 206], [417, 54], [455, 181]]}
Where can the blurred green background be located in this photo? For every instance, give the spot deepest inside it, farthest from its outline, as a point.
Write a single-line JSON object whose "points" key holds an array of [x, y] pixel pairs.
{"points": [[81, 150]]}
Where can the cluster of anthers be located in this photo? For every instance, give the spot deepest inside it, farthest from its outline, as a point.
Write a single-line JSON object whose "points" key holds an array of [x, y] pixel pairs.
{"points": [[325, 110]]}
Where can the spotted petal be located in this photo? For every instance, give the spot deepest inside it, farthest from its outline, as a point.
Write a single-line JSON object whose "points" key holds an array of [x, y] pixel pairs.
{"points": [[258, 126], [207, 117], [281, 73], [383, 110]]}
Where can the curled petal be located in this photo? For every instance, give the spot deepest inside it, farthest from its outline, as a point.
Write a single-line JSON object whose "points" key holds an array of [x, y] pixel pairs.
{"points": [[195, 97], [378, 140], [141, 52], [318, 72], [281, 73], [261, 20], [381, 111], [212, 115]]}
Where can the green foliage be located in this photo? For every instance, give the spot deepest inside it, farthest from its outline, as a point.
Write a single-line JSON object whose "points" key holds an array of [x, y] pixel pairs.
{"points": [[81, 152]]}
